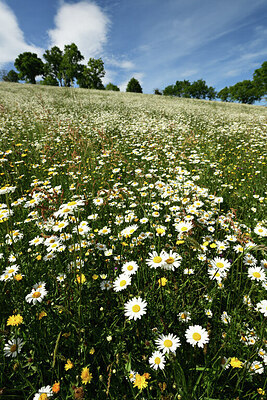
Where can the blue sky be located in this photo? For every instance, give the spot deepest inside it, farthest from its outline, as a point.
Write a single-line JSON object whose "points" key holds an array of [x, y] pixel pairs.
{"points": [[156, 41]]}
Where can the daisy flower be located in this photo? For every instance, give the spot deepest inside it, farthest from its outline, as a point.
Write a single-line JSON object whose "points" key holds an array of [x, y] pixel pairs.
{"points": [[156, 260], [220, 264], [157, 360], [130, 267], [183, 227], [135, 308], [168, 343], [127, 232], [13, 347], [256, 367], [121, 282], [36, 296], [257, 274], [184, 316], [44, 393], [260, 230], [262, 307], [171, 261], [196, 335]]}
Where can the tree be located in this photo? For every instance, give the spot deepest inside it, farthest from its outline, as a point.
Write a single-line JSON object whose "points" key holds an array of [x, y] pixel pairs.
{"points": [[53, 65], [70, 67], [169, 90], [158, 92], [90, 75], [49, 80], [110, 86], [134, 86], [199, 89], [260, 79], [211, 95], [11, 76], [224, 94], [29, 66], [245, 92]]}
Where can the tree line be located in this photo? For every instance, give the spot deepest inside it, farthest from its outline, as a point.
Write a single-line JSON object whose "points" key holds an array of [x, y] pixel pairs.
{"points": [[64, 68], [247, 91]]}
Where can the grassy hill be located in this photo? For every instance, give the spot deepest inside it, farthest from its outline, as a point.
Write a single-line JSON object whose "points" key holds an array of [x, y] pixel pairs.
{"points": [[133, 251]]}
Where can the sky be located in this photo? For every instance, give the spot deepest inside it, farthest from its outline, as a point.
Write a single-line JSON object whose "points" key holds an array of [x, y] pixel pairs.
{"points": [[156, 41]]}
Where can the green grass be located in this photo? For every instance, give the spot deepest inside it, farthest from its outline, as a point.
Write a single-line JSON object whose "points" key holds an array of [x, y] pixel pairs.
{"points": [[78, 167]]}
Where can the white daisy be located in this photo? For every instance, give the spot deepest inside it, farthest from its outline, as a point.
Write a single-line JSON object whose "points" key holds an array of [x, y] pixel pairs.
{"points": [[157, 360], [130, 267], [256, 367], [171, 261], [44, 393], [221, 264], [184, 316], [13, 347], [156, 260], [168, 343], [262, 307], [183, 227], [121, 282], [36, 296], [257, 274], [196, 335], [135, 308]]}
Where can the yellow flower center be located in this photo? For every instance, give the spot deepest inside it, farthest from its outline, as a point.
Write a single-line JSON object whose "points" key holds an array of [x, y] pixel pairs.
{"points": [[13, 348], [219, 265], [43, 396], [196, 336], [157, 360], [160, 230], [183, 316], [130, 267], [122, 283], [167, 343], [170, 260], [36, 295], [136, 308], [184, 229], [11, 270], [256, 274], [157, 259]]}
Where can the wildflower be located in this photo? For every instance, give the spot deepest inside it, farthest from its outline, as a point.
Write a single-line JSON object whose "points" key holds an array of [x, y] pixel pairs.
{"points": [[236, 363], [68, 365], [130, 267], [56, 387], [260, 230], [257, 274], [171, 261], [157, 360], [41, 315], [262, 307], [36, 296], [15, 320], [121, 282], [13, 347], [162, 281], [168, 343], [135, 308], [127, 232], [86, 375], [261, 391], [256, 367], [196, 335], [44, 393], [156, 260], [221, 264], [184, 316], [183, 227], [140, 382]]}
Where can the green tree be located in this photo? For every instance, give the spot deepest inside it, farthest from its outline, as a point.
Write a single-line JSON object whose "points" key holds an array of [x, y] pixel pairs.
{"points": [[90, 75], [70, 66], [199, 89], [224, 94], [49, 80], [134, 86], [110, 86], [158, 92], [53, 65], [11, 76], [260, 79], [29, 66], [169, 90], [245, 92], [211, 95]]}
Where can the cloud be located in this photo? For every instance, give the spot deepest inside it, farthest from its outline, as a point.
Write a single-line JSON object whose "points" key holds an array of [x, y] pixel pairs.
{"points": [[12, 41], [124, 64], [82, 23]]}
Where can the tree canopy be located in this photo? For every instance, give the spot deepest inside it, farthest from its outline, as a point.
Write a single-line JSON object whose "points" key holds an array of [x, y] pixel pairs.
{"points": [[29, 66], [134, 86]]}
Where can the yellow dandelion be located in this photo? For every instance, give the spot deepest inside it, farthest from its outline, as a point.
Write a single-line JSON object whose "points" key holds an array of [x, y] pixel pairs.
{"points": [[86, 375], [140, 382], [236, 363], [162, 281], [15, 320], [68, 365]]}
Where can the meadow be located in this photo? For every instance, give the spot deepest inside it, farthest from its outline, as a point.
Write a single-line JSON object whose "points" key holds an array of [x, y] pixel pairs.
{"points": [[132, 246]]}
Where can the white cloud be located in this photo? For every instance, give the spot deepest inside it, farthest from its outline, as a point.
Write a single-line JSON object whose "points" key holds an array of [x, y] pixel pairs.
{"points": [[12, 41], [124, 64], [82, 23]]}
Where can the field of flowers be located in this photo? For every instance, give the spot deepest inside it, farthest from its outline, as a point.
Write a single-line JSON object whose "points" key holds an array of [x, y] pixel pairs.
{"points": [[132, 246]]}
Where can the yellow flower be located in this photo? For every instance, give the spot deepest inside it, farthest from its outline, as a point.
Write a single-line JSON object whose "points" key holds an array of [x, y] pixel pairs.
{"points": [[140, 382], [56, 387], [236, 363], [92, 351], [86, 375], [80, 278], [68, 365], [95, 277], [15, 320], [162, 281], [39, 257], [41, 315], [261, 391], [18, 277]]}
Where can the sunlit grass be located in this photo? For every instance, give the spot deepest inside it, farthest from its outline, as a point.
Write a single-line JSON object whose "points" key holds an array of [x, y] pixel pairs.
{"points": [[133, 246]]}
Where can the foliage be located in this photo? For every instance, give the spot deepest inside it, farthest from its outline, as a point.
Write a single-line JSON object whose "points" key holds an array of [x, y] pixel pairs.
{"points": [[49, 80], [10, 76], [111, 86], [245, 92], [110, 200], [134, 86], [70, 66], [260, 78], [196, 90], [53, 66], [90, 76], [224, 94], [158, 92], [29, 66]]}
